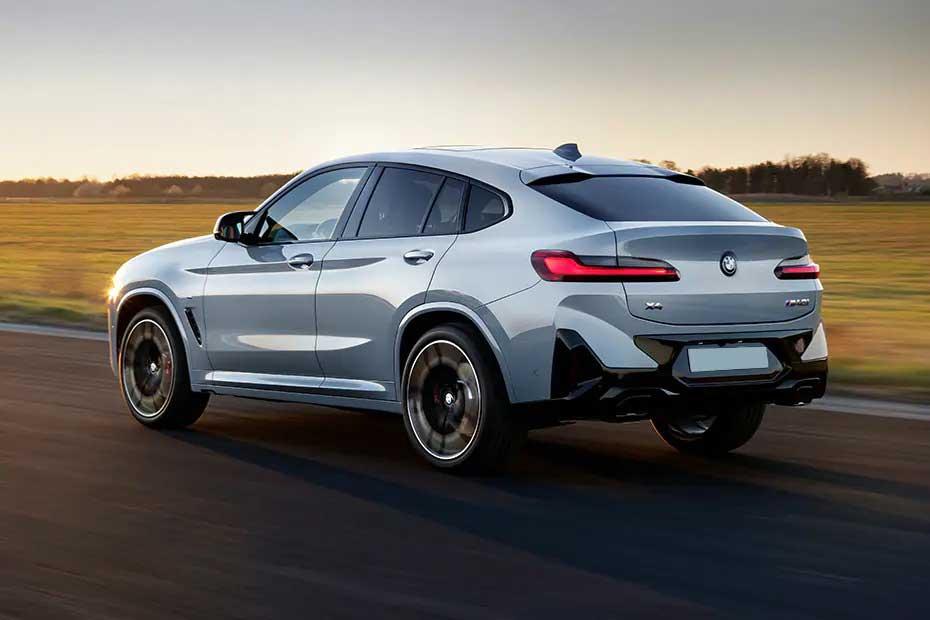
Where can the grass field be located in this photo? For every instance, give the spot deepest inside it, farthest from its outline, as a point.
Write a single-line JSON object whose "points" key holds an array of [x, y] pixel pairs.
{"points": [[874, 260], [56, 260]]}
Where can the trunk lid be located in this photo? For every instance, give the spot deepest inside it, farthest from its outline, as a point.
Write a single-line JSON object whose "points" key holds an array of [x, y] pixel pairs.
{"points": [[705, 293]]}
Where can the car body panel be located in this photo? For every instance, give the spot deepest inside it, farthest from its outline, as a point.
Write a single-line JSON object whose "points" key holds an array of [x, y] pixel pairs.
{"points": [[705, 295], [172, 273], [493, 263], [598, 312], [366, 289], [259, 311]]}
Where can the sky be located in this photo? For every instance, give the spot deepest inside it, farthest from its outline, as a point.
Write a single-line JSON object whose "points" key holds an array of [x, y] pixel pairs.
{"points": [[106, 89]]}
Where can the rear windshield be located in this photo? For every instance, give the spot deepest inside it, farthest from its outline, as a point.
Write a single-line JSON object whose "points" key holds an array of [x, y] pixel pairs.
{"points": [[646, 199]]}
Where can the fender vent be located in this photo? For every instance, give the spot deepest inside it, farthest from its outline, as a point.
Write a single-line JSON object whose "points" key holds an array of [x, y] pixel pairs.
{"points": [[189, 313]]}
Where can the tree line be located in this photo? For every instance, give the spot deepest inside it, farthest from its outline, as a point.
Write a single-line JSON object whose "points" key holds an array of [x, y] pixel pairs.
{"points": [[809, 175], [138, 186]]}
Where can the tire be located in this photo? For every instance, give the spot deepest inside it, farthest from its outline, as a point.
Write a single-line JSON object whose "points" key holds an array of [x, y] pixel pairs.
{"points": [[714, 432], [456, 411], [153, 374]]}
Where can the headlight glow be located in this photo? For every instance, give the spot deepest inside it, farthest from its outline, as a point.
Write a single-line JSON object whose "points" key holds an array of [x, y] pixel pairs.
{"points": [[113, 291]]}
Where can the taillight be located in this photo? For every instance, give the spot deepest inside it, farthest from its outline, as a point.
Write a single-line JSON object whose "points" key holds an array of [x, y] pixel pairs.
{"points": [[810, 271], [562, 266]]}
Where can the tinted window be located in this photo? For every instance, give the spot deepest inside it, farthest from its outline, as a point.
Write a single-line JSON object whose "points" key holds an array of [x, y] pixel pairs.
{"points": [[399, 203], [311, 210], [484, 208], [444, 216], [649, 199]]}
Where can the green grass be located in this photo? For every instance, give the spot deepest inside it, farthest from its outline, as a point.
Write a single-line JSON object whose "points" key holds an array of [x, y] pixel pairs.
{"points": [[56, 260]]}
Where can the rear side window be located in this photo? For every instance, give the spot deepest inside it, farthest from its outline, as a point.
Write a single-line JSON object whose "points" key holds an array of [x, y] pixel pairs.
{"points": [[484, 208], [399, 203], [646, 199], [444, 216]]}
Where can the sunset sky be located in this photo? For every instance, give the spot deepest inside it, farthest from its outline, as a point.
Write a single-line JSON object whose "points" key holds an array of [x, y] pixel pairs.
{"points": [[112, 88]]}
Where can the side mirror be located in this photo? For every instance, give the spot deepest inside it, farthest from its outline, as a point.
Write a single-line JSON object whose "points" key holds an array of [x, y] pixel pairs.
{"points": [[229, 226]]}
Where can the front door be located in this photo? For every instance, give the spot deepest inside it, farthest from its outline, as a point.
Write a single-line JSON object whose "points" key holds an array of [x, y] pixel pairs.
{"points": [[259, 309]]}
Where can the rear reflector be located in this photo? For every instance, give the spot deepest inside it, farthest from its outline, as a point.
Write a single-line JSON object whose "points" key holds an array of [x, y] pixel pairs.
{"points": [[798, 272], [562, 266]]}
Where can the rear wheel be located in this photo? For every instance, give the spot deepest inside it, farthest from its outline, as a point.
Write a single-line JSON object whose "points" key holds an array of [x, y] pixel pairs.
{"points": [[713, 431], [153, 373], [456, 413]]}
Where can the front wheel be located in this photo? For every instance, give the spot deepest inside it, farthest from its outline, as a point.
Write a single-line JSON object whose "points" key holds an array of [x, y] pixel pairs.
{"points": [[714, 431], [456, 412], [153, 373]]}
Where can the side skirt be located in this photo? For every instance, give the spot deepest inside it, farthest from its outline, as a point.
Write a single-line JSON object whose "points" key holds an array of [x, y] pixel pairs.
{"points": [[327, 400]]}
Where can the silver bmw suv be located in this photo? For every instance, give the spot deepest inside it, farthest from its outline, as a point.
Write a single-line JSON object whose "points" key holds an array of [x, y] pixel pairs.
{"points": [[479, 293]]}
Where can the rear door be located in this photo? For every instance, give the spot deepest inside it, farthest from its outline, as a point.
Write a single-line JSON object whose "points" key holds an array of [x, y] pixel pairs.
{"points": [[378, 271]]}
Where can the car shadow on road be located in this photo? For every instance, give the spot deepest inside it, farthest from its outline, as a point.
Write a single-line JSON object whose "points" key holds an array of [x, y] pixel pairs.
{"points": [[736, 468], [663, 523]]}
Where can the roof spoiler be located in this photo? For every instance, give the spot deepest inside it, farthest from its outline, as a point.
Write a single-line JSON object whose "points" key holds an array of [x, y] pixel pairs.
{"points": [[567, 173]]}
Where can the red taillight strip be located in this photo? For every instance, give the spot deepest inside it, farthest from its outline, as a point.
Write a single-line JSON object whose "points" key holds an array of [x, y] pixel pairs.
{"points": [[563, 266], [798, 272]]}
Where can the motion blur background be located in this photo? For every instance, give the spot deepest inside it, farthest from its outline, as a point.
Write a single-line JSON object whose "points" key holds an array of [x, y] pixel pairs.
{"points": [[124, 125]]}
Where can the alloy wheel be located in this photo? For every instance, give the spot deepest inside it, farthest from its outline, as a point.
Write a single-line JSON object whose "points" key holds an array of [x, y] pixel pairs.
{"points": [[147, 368], [443, 400]]}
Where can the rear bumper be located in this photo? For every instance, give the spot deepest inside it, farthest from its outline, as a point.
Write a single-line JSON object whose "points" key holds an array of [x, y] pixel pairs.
{"points": [[583, 388]]}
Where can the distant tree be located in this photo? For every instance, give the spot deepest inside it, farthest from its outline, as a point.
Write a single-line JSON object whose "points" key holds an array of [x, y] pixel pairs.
{"points": [[119, 190], [738, 181], [667, 163], [174, 190], [268, 189], [713, 177], [88, 189]]}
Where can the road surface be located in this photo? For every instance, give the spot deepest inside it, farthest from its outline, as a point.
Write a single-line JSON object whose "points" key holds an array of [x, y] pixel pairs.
{"points": [[269, 510]]}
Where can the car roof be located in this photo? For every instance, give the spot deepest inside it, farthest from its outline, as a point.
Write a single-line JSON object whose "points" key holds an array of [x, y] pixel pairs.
{"points": [[502, 165]]}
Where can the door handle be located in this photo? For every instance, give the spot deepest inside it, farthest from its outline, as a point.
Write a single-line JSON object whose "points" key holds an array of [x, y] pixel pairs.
{"points": [[415, 257], [301, 262]]}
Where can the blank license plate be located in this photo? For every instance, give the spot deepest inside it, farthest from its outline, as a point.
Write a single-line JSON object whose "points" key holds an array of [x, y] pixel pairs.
{"points": [[710, 359]]}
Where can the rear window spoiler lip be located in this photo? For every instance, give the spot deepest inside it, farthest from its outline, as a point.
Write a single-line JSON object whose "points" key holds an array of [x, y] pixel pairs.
{"points": [[687, 227], [566, 173]]}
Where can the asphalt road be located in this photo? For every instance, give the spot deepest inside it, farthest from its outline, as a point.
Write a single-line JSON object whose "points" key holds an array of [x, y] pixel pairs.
{"points": [[274, 510]]}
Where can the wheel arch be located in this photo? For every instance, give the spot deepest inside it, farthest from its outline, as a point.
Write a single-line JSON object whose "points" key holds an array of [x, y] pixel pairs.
{"points": [[425, 317], [139, 299]]}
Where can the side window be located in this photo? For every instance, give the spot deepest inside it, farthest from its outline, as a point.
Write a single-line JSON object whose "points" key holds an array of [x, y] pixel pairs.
{"points": [[399, 203], [484, 208], [444, 217], [310, 211]]}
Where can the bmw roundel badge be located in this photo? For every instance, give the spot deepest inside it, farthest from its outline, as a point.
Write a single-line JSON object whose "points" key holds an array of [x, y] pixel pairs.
{"points": [[728, 263]]}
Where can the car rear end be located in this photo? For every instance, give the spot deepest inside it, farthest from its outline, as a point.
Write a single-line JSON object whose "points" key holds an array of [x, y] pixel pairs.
{"points": [[719, 303]]}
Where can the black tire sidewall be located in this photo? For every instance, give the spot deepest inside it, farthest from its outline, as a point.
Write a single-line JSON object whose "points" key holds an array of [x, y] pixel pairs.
{"points": [[735, 426]]}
